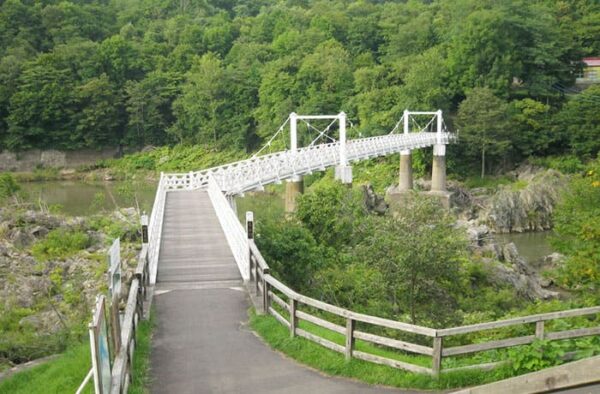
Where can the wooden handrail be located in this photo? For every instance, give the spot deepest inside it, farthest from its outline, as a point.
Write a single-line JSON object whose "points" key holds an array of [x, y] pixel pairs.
{"points": [[266, 284]]}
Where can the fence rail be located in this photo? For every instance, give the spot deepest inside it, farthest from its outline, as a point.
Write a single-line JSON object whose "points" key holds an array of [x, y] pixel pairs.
{"points": [[279, 300]]}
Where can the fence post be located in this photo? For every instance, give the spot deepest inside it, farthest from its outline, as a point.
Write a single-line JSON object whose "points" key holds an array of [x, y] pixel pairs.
{"points": [[265, 291], [250, 234], [349, 338], [293, 318], [539, 329], [144, 223], [436, 360]]}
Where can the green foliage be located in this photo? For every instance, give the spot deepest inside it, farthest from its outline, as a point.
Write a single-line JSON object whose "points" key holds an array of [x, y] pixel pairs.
{"points": [[329, 209], [578, 231], [420, 279], [540, 354], [60, 244], [567, 164], [294, 255], [484, 126], [578, 123], [8, 186]]}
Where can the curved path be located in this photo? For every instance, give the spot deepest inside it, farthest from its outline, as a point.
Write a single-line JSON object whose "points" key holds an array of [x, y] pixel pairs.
{"points": [[201, 343]]}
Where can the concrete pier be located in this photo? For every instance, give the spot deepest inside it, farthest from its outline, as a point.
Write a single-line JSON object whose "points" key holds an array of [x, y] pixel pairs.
{"points": [[293, 188], [406, 172], [438, 170]]}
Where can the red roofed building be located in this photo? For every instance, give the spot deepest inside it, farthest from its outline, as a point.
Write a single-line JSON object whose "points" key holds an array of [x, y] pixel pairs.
{"points": [[591, 71]]}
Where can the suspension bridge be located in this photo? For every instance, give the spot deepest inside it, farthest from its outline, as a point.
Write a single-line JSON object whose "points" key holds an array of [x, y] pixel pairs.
{"points": [[204, 267]]}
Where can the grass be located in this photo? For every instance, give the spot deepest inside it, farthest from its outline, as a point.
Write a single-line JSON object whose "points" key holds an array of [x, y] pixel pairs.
{"points": [[141, 362], [333, 363], [62, 375], [65, 374]]}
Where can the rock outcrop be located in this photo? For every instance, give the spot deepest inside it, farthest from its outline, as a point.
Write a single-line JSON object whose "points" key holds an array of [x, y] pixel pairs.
{"points": [[527, 209]]}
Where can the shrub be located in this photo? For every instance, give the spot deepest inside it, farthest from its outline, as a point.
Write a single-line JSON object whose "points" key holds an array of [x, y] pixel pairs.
{"points": [[60, 244], [8, 186]]}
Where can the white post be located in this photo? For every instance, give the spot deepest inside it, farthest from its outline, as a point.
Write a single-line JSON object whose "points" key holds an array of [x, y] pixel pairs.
{"points": [[343, 171], [293, 132], [406, 116], [439, 126], [343, 155]]}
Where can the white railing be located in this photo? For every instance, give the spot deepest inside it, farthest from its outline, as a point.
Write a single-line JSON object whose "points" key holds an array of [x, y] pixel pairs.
{"points": [[155, 226], [244, 175], [233, 229]]}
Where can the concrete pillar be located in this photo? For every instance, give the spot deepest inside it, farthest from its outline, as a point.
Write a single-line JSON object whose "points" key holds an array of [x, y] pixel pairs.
{"points": [[292, 189], [406, 172], [438, 170]]}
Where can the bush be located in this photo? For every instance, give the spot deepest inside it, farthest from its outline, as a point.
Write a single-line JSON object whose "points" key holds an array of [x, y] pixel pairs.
{"points": [[60, 244], [8, 186], [567, 164]]}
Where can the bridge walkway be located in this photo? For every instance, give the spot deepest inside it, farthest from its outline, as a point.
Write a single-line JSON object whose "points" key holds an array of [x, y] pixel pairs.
{"points": [[201, 343]]}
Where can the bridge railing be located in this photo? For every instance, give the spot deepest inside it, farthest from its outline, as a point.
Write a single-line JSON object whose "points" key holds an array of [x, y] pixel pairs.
{"points": [[156, 224], [289, 307], [233, 229], [244, 175]]}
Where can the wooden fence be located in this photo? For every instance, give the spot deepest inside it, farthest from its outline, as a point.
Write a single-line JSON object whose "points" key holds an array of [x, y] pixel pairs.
{"points": [[277, 297], [134, 311]]}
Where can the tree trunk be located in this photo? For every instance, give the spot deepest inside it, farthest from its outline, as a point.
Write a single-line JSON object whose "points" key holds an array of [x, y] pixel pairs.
{"points": [[482, 163]]}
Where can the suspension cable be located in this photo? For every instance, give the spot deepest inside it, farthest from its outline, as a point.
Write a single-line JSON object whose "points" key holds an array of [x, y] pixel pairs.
{"points": [[268, 144]]}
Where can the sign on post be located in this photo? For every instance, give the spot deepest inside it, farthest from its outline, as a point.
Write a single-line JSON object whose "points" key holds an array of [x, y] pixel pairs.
{"points": [[114, 269], [99, 346]]}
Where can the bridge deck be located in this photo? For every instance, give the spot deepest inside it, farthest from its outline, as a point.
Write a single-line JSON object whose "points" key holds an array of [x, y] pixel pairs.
{"points": [[201, 343]]}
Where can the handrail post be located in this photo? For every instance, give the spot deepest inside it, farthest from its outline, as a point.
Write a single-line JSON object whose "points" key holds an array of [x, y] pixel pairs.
{"points": [[436, 360], [250, 235], [265, 291], [539, 329], [350, 324], [293, 318]]}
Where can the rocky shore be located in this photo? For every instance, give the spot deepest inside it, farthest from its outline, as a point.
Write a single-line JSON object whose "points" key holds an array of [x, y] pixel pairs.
{"points": [[44, 302]]}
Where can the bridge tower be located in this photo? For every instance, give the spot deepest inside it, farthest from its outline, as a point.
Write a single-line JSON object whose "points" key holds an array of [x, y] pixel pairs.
{"points": [[343, 171]]}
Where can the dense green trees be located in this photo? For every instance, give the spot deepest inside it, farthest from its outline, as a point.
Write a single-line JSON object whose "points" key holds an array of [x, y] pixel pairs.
{"points": [[578, 233], [227, 74]]}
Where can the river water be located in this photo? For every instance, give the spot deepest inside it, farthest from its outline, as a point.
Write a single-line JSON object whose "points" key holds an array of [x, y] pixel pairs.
{"points": [[531, 245], [80, 198]]}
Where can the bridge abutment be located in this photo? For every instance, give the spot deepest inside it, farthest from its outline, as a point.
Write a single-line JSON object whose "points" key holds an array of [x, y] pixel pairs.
{"points": [[293, 189]]}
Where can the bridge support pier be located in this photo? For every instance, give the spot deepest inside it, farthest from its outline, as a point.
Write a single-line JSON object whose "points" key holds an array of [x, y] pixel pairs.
{"points": [[293, 188], [438, 170], [406, 172], [438, 176]]}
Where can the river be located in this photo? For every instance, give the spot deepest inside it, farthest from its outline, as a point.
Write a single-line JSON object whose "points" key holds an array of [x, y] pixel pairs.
{"points": [[531, 245]]}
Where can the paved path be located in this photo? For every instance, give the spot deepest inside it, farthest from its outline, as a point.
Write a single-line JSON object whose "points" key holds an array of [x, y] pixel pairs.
{"points": [[201, 343]]}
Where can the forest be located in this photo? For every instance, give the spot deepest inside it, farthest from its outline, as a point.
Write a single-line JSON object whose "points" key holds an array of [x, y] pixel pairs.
{"points": [[225, 74]]}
